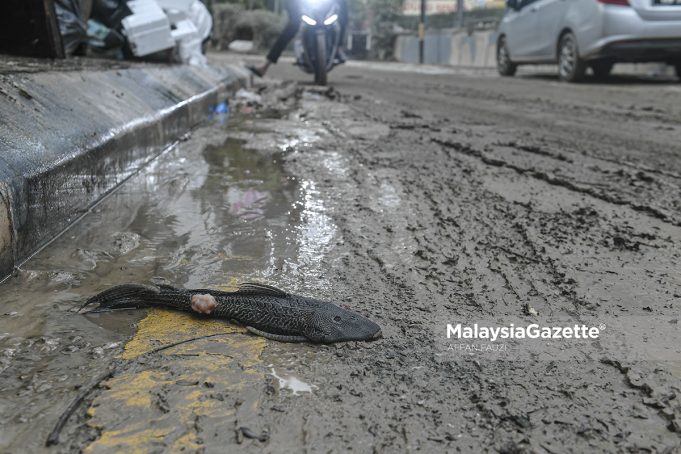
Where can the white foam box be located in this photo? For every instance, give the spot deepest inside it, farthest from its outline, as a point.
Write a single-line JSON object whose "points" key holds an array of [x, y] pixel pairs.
{"points": [[175, 15], [188, 40], [180, 5], [147, 29], [185, 30]]}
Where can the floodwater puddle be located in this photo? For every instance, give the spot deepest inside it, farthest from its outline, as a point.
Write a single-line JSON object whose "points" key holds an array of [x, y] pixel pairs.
{"points": [[292, 383], [317, 230], [211, 212]]}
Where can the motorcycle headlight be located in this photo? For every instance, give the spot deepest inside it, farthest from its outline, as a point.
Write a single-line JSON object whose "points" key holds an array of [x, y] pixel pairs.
{"points": [[331, 19], [308, 20]]}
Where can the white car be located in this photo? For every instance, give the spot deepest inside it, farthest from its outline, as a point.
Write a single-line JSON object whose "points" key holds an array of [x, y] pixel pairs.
{"points": [[577, 34]]}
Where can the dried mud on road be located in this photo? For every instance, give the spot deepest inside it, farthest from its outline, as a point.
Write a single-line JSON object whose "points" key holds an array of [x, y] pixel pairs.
{"points": [[418, 201], [454, 202]]}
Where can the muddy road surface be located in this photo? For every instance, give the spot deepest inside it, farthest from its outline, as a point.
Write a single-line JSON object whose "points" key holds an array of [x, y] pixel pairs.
{"points": [[420, 198]]}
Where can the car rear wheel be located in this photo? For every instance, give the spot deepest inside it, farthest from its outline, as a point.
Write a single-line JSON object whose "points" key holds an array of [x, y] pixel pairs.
{"points": [[678, 70], [571, 67], [602, 69], [504, 64]]}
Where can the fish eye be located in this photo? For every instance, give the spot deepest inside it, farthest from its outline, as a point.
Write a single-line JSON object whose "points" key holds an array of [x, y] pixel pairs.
{"points": [[337, 319]]}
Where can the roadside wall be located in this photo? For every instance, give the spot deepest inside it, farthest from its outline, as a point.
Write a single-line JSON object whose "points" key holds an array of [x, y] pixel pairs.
{"points": [[449, 47], [67, 138]]}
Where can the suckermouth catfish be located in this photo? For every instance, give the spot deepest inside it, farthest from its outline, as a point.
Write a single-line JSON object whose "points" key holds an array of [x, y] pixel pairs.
{"points": [[264, 310]]}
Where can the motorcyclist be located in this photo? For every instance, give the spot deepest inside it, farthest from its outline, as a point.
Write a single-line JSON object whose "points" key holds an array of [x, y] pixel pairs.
{"points": [[293, 9]]}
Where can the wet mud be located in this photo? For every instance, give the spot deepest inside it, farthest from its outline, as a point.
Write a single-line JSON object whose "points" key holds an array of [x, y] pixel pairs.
{"points": [[417, 201]]}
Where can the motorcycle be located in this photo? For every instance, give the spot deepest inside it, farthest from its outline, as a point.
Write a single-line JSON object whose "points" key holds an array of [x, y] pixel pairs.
{"points": [[320, 39]]}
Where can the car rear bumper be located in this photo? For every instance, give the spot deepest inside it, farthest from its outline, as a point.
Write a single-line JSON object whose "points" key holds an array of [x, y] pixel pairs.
{"points": [[641, 50], [627, 36]]}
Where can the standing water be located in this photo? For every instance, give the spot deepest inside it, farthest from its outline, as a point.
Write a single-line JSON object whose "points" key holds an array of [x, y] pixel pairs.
{"points": [[210, 212]]}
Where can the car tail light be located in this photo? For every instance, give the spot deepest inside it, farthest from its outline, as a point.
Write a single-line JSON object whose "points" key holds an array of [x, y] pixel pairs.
{"points": [[615, 2]]}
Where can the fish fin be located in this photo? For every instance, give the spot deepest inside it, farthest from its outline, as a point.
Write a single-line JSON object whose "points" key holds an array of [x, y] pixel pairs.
{"points": [[253, 288], [118, 306], [122, 297], [277, 337]]}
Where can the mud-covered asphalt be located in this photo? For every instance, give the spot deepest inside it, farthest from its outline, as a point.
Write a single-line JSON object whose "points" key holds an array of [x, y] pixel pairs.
{"points": [[417, 198]]}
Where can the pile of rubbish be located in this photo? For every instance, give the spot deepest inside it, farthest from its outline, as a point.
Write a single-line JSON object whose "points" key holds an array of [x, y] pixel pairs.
{"points": [[169, 30], [241, 30]]}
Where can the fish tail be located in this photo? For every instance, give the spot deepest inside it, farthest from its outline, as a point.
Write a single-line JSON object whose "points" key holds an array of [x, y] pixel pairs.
{"points": [[128, 296], [132, 296]]}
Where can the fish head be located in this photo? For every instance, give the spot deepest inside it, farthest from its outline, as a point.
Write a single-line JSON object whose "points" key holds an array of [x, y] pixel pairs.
{"points": [[331, 323]]}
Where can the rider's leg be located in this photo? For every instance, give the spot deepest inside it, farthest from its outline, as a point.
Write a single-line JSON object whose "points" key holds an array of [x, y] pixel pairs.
{"points": [[287, 34], [343, 22]]}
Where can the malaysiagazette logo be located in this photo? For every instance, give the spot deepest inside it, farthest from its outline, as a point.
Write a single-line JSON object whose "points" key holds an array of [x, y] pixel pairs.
{"points": [[533, 331]]}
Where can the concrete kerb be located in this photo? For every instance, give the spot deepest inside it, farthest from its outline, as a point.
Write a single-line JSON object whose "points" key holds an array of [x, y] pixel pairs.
{"points": [[6, 233], [68, 139]]}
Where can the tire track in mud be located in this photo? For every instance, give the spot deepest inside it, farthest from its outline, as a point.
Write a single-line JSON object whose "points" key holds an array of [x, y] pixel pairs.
{"points": [[553, 180], [448, 270], [601, 136], [564, 157], [405, 418], [534, 268]]}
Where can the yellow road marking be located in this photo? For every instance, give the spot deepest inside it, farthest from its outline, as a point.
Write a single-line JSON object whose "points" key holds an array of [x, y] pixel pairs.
{"points": [[148, 407], [165, 327]]}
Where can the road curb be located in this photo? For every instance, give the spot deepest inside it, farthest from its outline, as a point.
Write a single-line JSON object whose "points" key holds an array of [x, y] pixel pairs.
{"points": [[70, 137]]}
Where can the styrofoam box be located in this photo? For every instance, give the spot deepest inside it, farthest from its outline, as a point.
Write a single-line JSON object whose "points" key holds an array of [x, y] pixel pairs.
{"points": [[187, 39], [181, 5], [175, 15], [147, 29], [185, 30]]}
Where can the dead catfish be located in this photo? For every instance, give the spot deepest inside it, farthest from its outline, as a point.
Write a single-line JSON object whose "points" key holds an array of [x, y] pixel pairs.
{"points": [[264, 310]]}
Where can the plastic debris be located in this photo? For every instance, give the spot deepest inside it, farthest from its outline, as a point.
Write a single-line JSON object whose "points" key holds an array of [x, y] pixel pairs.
{"points": [[241, 45], [220, 113], [102, 37], [72, 26], [246, 96], [221, 108], [110, 13], [176, 30], [529, 310]]}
